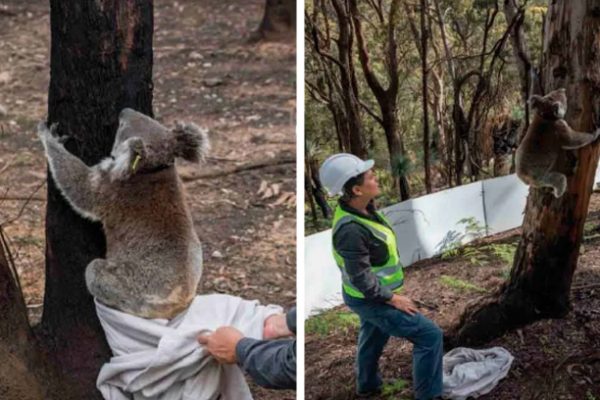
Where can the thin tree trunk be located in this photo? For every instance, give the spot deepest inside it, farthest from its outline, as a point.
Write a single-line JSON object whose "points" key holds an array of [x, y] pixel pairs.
{"points": [[386, 97], [395, 150], [424, 73], [348, 80], [522, 56], [309, 194], [101, 62], [540, 281]]}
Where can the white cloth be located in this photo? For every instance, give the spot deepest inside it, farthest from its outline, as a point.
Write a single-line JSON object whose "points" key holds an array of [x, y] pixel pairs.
{"points": [[472, 373], [159, 359]]}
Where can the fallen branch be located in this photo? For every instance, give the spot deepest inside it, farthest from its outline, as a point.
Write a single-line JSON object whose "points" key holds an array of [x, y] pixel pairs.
{"points": [[584, 287], [287, 159], [4, 11], [27, 200], [21, 198]]}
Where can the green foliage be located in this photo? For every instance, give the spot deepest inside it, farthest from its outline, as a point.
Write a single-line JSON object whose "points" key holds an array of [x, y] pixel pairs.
{"points": [[517, 112], [460, 284], [473, 230], [392, 390], [401, 165], [332, 321], [589, 395]]}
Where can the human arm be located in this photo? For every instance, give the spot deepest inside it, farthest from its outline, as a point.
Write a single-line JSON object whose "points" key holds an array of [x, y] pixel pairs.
{"points": [[351, 241]]}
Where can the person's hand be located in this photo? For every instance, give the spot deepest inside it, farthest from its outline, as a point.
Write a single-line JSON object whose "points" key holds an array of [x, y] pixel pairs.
{"points": [[403, 303], [221, 343], [276, 327]]}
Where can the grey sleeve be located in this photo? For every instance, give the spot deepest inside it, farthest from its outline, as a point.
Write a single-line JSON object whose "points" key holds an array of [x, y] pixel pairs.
{"points": [[270, 363], [351, 242], [290, 319]]}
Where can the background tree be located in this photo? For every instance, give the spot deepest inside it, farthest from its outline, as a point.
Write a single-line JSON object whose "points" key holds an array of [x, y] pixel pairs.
{"points": [[387, 97], [279, 21], [337, 70], [546, 258]]}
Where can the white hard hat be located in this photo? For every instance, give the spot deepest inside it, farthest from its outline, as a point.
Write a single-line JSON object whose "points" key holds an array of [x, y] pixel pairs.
{"points": [[339, 168]]}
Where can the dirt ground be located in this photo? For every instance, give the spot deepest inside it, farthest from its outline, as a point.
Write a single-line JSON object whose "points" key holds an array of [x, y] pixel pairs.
{"points": [[554, 359], [205, 71]]}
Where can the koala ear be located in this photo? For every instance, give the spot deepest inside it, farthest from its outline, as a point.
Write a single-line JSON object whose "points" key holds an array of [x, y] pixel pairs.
{"points": [[535, 100], [191, 142]]}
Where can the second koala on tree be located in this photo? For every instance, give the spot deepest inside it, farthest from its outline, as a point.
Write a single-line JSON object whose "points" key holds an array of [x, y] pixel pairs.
{"points": [[153, 256], [537, 157]]}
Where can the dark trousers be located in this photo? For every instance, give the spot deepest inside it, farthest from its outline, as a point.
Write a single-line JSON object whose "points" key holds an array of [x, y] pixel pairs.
{"points": [[379, 321]]}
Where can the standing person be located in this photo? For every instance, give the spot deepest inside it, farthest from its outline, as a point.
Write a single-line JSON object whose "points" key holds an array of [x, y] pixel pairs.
{"points": [[365, 250]]}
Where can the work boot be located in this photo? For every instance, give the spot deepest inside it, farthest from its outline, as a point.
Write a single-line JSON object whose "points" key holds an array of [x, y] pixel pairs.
{"points": [[374, 392]]}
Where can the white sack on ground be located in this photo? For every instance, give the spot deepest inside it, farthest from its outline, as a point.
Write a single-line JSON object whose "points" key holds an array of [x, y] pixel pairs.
{"points": [[159, 359], [472, 373]]}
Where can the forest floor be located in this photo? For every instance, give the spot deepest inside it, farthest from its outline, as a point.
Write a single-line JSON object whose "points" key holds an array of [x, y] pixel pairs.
{"points": [[554, 359], [205, 71]]}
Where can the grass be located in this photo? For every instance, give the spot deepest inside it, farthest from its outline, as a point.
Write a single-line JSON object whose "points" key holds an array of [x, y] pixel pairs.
{"points": [[461, 285], [332, 321], [391, 390]]}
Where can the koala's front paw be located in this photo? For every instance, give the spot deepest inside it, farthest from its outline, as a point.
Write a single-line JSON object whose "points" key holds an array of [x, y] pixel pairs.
{"points": [[43, 131], [560, 188], [45, 134]]}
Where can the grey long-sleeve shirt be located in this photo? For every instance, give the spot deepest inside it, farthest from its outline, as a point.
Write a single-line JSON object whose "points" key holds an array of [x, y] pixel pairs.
{"points": [[360, 249], [270, 363]]}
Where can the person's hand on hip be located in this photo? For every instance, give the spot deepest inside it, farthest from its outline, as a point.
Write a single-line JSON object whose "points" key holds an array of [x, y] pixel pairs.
{"points": [[404, 304]]}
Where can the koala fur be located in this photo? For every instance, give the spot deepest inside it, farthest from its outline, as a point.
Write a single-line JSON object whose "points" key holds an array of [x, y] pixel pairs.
{"points": [[537, 157], [153, 258]]}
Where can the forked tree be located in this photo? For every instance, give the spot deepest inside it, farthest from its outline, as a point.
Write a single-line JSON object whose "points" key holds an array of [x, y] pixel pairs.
{"points": [[540, 281]]}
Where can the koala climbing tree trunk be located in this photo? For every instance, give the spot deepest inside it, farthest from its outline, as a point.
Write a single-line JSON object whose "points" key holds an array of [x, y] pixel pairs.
{"points": [[101, 62], [540, 280]]}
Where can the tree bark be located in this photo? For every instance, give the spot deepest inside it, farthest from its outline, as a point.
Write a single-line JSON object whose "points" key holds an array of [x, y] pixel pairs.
{"points": [[279, 21], [424, 73], [101, 62], [25, 372], [540, 280]]}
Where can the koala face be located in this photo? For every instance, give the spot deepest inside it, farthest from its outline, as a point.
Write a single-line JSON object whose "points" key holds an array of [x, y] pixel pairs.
{"points": [[551, 106]]}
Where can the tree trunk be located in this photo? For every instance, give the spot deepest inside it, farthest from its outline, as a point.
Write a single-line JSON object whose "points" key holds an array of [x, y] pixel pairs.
{"points": [[101, 62], [348, 80], [318, 191], [547, 255], [521, 52], [279, 21], [395, 150], [424, 36], [309, 195]]}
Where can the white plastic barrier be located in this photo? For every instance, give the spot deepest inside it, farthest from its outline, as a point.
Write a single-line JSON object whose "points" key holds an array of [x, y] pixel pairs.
{"points": [[425, 226]]}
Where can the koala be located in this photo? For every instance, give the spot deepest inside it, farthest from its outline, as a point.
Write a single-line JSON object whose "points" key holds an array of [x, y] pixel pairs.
{"points": [[153, 257], [537, 157]]}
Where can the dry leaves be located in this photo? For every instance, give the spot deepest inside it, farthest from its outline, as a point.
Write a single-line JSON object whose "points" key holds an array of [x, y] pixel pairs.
{"points": [[283, 198]]}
